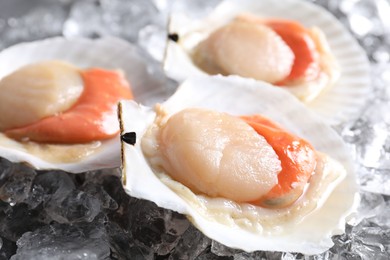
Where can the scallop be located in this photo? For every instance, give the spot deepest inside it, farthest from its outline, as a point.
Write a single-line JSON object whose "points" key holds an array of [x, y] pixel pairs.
{"points": [[192, 154], [52, 59], [336, 93]]}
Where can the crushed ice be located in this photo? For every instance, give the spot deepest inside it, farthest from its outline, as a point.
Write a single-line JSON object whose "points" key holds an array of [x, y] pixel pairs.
{"points": [[56, 215]]}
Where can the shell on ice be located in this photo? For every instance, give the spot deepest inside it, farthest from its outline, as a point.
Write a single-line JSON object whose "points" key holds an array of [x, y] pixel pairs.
{"points": [[239, 96], [335, 104], [106, 53]]}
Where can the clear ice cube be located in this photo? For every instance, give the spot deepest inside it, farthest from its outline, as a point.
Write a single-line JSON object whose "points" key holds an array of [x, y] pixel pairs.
{"points": [[15, 181], [60, 241], [101, 221]]}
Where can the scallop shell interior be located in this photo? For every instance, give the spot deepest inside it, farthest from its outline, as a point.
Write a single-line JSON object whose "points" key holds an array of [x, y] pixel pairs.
{"points": [[107, 53], [240, 96], [336, 104]]}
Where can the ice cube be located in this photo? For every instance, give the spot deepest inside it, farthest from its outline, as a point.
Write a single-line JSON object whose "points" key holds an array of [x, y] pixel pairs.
{"points": [[222, 250], [84, 20], [194, 9], [60, 241], [15, 181], [18, 219], [153, 39], [122, 244], [192, 244], [39, 23], [373, 180], [76, 206], [109, 17], [97, 191], [374, 151]]}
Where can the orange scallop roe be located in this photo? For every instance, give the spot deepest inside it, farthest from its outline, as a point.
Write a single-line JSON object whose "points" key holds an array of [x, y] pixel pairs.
{"points": [[298, 160], [93, 117], [306, 64]]}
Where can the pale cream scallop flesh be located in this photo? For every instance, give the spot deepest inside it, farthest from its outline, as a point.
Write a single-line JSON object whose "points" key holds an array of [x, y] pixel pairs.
{"points": [[245, 49], [37, 91], [216, 154]]}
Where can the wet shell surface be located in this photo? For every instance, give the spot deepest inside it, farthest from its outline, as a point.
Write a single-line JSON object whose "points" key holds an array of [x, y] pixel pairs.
{"points": [[219, 218], [106, 53], [335, 104]]}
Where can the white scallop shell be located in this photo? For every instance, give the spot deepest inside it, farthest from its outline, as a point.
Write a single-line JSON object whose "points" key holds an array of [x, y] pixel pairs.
{"points": [[108, 53], [336, 104], [236, 95]]}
